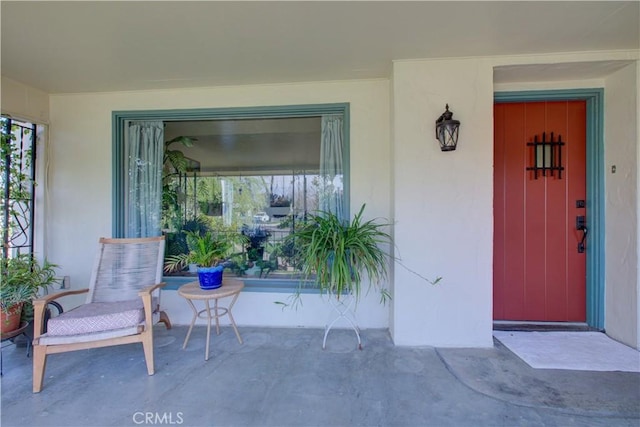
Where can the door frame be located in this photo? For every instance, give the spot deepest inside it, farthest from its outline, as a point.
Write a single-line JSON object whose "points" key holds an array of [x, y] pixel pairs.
{"points": [[595, 185]]}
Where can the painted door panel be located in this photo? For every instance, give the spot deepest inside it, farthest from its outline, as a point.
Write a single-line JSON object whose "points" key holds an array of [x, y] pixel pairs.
{"points": [[538, 273]]}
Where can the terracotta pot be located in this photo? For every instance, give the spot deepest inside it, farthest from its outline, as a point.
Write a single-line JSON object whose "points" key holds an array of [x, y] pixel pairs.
{"points": [[10, 321]]}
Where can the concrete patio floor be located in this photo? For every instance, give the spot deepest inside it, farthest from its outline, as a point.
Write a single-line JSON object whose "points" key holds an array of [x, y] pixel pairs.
{"points": [[282, 377]]}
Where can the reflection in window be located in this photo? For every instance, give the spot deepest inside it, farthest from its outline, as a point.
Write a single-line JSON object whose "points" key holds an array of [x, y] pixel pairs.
{"points": [[257, 178]]}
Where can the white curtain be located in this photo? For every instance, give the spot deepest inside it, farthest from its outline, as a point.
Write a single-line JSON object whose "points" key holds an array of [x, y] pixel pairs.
{"points": [[331, 167], [143, 204]]}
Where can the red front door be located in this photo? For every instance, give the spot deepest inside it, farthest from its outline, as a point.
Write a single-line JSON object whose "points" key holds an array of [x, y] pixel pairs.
{"points": [[538, 268]]}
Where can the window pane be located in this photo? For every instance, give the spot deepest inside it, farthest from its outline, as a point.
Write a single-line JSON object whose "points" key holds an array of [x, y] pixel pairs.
{"points": [[251, 174], [255, 178]]}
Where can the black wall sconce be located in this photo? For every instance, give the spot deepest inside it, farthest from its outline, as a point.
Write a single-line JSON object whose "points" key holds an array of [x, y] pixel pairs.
{"points": [[447, 130]]}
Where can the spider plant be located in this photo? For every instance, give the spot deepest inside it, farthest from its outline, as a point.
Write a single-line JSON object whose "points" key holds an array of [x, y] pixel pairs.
{"points": [[341, 253]]}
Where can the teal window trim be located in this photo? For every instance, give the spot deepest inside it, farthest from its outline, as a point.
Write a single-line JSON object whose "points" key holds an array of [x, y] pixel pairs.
{"points": [[594, 98], [120, 118]]}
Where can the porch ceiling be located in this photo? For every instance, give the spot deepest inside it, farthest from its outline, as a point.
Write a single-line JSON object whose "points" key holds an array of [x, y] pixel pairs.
{"points": [[65, 47]]}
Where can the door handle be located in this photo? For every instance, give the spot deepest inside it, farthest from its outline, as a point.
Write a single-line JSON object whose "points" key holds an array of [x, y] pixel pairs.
{"points": [[585, 231], [581, 225]]}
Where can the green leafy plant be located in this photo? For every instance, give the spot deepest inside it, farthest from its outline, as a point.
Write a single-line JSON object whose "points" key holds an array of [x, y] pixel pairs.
{"points": [[16, 183], [14, 162], [174, 161], [174, 164], [288, 251], [23, 278], [239, 263], [339, 254], [177, 241], [206, 250], [209, 195]]}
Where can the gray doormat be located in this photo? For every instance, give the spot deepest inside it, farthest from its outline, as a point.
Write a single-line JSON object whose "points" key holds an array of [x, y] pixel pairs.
{"points": [[583, 351]]}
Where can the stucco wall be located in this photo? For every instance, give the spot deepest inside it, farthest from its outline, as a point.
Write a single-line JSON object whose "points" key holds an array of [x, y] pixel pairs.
{"points": [[81, 181], [443, 204], [24, 102], [621, 142], [443, 201]]}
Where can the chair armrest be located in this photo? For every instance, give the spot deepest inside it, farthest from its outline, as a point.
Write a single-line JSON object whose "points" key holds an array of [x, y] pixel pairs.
{"points": [[145, 294], [44, 300], [149, 289], [40, 304]]}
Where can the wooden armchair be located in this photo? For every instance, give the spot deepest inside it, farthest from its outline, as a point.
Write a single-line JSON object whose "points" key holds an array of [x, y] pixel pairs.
{"points": [[123, 304]]}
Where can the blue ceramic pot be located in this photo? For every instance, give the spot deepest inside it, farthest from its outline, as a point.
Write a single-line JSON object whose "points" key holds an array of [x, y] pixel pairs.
{"points": [[210, 277]]}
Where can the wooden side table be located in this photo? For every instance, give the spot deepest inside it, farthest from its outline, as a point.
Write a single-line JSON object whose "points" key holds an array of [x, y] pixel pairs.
{"points": [[192, 291]]}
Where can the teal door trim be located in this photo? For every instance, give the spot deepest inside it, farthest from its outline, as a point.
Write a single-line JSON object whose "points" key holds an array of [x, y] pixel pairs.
{"points": [[595, 185]]}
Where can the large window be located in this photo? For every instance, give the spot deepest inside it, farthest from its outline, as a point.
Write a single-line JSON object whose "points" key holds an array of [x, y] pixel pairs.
{"points": [[255, 173]]}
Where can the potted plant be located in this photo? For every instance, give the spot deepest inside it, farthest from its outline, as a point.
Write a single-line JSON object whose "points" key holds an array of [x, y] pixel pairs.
{"points": [[256, 238], [279, 201], [207, 251], [340, 253], [279, 206], [209, 196], [22, 278]]}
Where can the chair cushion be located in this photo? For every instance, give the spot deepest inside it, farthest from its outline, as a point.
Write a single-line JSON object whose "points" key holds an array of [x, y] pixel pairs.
{"points": [[96, 317]]}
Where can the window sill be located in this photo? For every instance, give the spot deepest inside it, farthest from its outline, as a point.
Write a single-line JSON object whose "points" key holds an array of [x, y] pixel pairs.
{"points": [[251, 284]]}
